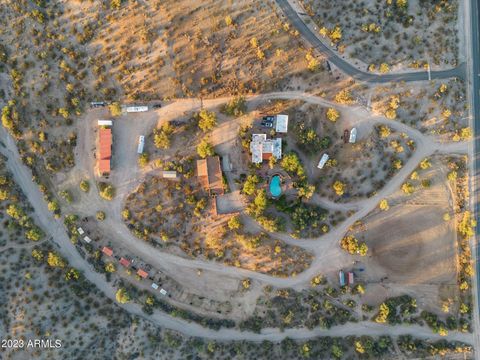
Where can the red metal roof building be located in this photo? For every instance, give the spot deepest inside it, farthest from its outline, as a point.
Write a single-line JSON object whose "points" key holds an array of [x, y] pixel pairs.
{"points": [[124, 262], [142, 273], [107, 251], [105, 150]]}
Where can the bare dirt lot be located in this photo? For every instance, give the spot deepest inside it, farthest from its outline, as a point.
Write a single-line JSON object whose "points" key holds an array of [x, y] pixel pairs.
{"points": [[413, 245]]}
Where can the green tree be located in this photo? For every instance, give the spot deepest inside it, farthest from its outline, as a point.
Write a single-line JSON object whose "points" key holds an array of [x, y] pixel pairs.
{"points": [[205, 149], [53, 206], [207, 120], [161, 137], [228, 20], [100, 215], [126, 214], [15, 211], [383, 205], [250, 184], [234, 223], [339, 187], [110, 267], [333, 114], [312, 62], [143, 160], [466, 225], [122, 296], [383, 313], [384, 131], [72, 274], [37, 254], [425, 164], [85, 186], [235, 107], [34, 234], [54, 260], [66, 195], [115, 108], [408, 188], [291, 163], [107, 191]]}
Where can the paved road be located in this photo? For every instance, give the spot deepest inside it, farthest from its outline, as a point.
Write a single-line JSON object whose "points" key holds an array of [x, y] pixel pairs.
{"points": [[475, 102], [354, 72]]}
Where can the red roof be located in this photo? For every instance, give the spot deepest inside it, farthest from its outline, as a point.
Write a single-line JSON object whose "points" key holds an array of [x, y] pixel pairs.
{"points": [[142, 273], [105, 150], [104, 166], [107, 251], [124, 262]]}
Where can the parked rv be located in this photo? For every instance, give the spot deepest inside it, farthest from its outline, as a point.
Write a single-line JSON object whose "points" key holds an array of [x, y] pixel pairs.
{"points": [[353, 136], [141, 144], [341, 276], [323, 161]]}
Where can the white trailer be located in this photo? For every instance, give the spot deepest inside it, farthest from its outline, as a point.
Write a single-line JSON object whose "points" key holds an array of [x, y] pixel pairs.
{"points": [[353, 136], [105, 122], [163, 292], [154, 286], [135, 109], [87, 239], [141, 144], [323, 161], [80, 231]]}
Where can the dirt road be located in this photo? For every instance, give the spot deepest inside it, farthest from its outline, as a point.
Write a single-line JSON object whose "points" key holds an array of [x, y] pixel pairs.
{"points": [[325, 249]]}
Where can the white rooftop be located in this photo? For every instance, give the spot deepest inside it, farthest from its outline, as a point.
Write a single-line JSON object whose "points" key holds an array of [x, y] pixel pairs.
{"points": [[353, 136], [260, 145], [131, 109], [323, 161], [281, 123]]}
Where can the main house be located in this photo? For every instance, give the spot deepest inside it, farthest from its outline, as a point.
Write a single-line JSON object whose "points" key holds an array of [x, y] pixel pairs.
{"points": [[263, 148]]}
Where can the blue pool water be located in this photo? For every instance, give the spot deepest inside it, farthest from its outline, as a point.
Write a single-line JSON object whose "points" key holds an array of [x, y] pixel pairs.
{"points": [[275, 188]]}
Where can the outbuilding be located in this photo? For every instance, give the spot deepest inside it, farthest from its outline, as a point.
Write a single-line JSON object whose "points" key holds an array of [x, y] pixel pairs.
{"points": [[124, 262], [107, 251], [281, 123], [142, 273]]}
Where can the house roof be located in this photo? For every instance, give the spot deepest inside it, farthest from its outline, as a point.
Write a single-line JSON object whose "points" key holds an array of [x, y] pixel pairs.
{"points": [[142, 273], [281, 123], [105, 150], [104, 166], [124, 262], [256, 148], [107, 251], [263, 149], [209, 173], [105, 143]]}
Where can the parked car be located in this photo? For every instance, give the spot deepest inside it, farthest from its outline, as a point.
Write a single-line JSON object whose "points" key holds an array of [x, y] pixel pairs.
{"points": [[157, 106], [346, 135]]}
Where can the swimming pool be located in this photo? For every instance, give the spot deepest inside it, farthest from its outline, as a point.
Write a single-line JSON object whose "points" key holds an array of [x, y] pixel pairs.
{"points": [[275, 186]]}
